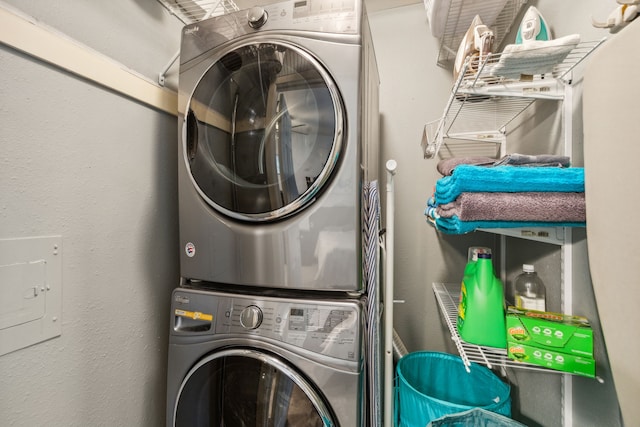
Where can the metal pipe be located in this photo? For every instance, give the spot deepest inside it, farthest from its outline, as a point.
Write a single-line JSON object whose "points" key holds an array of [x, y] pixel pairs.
{"points": [[388, 298]]}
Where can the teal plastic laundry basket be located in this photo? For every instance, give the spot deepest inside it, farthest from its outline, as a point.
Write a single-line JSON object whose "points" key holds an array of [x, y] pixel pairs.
{"points": [[476, 417], [430, 385]]}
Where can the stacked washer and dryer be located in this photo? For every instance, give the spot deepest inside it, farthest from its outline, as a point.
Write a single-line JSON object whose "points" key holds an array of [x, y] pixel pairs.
{"points": [[278, 163]]}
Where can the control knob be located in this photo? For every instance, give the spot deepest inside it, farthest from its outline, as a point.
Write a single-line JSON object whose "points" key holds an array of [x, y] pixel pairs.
{"points": [[257, 17], [251, 317]]}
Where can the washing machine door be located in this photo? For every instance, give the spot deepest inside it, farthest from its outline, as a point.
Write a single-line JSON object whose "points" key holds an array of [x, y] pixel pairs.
{"points": [[263, 131], [239, 388]]}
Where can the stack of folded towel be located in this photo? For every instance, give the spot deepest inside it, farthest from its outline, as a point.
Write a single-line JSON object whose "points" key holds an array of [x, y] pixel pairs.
{"points": [[515, 191]]}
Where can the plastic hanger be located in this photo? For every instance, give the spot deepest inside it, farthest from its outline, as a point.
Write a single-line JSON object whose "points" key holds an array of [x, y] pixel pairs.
{"points": [[620, 17]]}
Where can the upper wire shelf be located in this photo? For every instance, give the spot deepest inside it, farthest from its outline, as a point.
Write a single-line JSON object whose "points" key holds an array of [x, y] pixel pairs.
{"points": [[483, 101], [447, 296], [497, 14], [190, 11]]}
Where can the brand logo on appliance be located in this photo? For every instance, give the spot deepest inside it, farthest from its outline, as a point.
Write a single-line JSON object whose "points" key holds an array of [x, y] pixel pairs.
{"points": [[191, 30], [190, 249], [182, 299]]}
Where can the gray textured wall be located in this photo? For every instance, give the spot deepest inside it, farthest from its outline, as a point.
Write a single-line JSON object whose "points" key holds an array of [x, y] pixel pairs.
{"points": [[99, 169]]}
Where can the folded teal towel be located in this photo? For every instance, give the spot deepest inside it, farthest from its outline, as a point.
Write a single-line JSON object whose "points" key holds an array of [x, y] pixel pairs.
{"points": [[508, 179], [453, 225]]}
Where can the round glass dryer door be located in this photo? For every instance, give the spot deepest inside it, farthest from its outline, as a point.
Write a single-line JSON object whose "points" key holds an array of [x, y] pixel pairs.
{"points": [[263, 131], [239, 388]]}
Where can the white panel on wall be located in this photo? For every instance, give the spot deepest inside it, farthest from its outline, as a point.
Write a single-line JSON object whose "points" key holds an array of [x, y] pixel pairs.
{"points": [[30, 291], [20, 286]]}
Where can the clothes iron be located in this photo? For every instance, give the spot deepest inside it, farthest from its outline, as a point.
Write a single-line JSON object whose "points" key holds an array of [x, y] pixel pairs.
{"points": [[533, 27], [477, 43]]}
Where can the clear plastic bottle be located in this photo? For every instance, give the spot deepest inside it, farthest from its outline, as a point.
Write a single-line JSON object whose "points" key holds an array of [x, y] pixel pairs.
{"points": [[530, 292]]}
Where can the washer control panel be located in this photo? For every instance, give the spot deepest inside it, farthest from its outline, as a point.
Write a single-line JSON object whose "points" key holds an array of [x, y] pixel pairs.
{"points": [[331, 328]]}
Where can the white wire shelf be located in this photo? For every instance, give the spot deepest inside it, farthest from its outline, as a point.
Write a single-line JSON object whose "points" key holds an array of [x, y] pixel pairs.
{"points": [[447, 295], [190, 11], [459, 17], [483, 102], [551, 235]]}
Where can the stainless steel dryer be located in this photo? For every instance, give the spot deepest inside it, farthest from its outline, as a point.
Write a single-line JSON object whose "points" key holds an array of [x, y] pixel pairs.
{"points": [[262, 361], [278, 129]]}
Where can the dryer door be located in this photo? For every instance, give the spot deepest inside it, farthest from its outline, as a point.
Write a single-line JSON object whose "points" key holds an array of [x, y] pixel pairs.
{"points": [[239, 387], [263, 131]]}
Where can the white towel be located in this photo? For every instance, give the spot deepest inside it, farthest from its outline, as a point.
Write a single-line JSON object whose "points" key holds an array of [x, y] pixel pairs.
{"points": [[534, 57]]}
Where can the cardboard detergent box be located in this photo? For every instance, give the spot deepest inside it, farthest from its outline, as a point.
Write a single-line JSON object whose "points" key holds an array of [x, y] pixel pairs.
{"points": [[553, 340], [550, 331], [552, 359]]}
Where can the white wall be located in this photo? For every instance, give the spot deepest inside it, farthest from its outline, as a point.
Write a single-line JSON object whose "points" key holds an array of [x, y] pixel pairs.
{"points": [[99, 169]]}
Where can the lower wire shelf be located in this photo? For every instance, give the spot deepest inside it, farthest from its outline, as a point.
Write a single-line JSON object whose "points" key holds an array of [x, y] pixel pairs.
{"points": [[447, 295]]}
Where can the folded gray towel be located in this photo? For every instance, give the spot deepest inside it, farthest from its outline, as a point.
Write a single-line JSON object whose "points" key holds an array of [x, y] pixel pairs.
{"points": [[534, 206], [516, 159], [446, 166]]}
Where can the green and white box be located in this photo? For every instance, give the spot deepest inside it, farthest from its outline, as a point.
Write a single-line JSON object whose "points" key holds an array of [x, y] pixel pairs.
{"points": [[553, 340], [551, 331], [552, 359]]}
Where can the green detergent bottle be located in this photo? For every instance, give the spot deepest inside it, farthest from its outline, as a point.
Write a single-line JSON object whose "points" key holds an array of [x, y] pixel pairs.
{"points": [[481, 313], [472, 256]]}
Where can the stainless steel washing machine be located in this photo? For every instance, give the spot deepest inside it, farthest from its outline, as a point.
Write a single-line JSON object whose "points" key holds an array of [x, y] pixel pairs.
{"points": [[241, 360], [278, 129]]}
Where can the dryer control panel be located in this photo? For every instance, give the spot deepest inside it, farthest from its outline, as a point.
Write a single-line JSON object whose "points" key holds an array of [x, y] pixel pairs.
{"points": [[331, 328], [328, 16]]}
